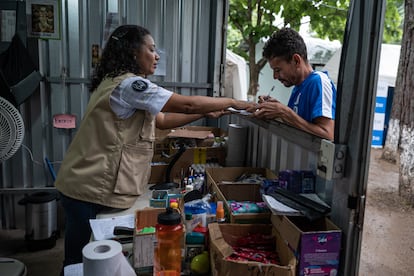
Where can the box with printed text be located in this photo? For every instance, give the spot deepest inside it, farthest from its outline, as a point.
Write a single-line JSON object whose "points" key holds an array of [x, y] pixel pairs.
{"points": [[316, 244]]}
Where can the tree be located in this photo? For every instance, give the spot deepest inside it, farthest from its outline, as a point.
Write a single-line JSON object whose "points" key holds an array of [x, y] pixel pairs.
{"points": [[253, 20], [400, 135]]}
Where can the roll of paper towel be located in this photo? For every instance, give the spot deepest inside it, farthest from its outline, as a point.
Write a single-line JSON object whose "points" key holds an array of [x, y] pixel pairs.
{"points": [[105, 258]]}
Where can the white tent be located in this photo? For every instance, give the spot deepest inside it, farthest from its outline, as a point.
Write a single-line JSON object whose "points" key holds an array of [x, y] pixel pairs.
{"points": [[388, 67], [320, 50], [235, 83], [387, 74]]}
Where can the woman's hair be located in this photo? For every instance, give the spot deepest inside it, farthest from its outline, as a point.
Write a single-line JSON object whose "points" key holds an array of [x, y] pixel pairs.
{"points": [[285, 43], [118, 56]]}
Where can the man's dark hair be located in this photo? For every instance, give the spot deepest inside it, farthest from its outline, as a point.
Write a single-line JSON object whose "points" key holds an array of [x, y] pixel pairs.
{"points": [[285, 43], [118, 56]]}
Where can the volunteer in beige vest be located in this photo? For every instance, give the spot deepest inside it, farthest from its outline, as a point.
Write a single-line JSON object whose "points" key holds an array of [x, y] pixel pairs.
{"points": [[118, 150], [107, 164]]}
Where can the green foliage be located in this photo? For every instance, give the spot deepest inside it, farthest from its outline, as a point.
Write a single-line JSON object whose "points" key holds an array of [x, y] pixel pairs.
{"points": [[334, 12], [252, 20], [393, 24]]}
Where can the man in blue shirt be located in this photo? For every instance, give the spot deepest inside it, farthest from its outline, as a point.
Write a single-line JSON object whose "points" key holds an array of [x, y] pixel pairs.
{"points": [[312, 103]]}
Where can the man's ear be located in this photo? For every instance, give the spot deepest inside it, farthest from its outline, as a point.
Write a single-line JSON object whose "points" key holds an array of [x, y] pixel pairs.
{"points": [[296, 58]]}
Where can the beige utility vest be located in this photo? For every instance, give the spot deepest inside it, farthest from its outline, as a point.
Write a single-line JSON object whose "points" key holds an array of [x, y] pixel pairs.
{"points": [[109, 160]]}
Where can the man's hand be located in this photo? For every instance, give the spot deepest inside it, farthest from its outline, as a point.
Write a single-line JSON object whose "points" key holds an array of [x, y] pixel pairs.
{"points": [[270, 110], [263, 99]]}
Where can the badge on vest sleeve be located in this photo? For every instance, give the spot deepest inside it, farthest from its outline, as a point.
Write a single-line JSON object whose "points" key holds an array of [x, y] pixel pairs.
{"points": [[139, 85]]}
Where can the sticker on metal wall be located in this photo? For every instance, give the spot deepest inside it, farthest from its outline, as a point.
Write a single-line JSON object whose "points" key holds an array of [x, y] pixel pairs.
{"points": [[67, 121]]}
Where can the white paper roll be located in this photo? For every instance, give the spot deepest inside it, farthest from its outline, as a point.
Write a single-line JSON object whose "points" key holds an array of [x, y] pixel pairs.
{"points": [[237, 134], [105, 258]]}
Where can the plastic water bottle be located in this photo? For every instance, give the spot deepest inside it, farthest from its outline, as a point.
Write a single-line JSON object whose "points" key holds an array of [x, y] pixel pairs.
{"points": [[168, 250]]}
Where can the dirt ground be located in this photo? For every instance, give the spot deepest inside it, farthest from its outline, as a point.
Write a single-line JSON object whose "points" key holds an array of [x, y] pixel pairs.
{"points": [[388, 234]]}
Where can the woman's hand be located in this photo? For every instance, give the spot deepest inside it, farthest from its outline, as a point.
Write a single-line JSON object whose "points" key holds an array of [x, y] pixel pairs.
{"points": [[217, 114], [243, 105]]}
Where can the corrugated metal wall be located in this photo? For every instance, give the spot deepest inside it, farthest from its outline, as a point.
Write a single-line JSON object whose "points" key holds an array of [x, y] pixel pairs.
{"points": [[279, 147], [188, 34]]}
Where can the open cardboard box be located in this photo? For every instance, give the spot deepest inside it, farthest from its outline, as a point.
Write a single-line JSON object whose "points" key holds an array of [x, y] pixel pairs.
{"points": [[203, 137], [316, 244], [199, 155], [144, 243], [223, 237], [221, 182]]}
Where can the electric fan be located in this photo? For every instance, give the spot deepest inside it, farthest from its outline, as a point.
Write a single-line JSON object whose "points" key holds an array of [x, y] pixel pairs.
{"points": [[11, 130]]}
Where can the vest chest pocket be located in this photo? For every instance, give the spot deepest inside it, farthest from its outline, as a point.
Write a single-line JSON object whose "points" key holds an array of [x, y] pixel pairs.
{"points": [[134, 169]]}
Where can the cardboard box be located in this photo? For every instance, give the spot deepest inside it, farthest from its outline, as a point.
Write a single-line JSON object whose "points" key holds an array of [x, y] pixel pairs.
{"points": [[163, 133], [157, 174], [223, 236], [144, 243], [203, 136], [198, 136], [221, 182], [199, 155], [162, 142], [316, 244]]}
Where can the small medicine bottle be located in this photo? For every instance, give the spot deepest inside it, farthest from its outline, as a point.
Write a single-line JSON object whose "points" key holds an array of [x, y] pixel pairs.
{"points": [[220, 212], [188, 222]]}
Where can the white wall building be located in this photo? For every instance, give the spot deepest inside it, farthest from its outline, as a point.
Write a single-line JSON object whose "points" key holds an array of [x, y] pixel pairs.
{"points": [[387, 74]]}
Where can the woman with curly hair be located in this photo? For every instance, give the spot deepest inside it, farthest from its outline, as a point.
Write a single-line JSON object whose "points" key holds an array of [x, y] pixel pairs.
{"points": [[108, 162]]}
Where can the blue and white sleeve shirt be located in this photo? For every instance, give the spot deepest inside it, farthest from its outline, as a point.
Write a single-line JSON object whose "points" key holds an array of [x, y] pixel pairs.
{"points": [[314, 97], [138, 93]]}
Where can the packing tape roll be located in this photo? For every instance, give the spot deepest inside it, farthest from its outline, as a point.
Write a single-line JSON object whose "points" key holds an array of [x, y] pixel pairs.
{"points": [[105, 258]]}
